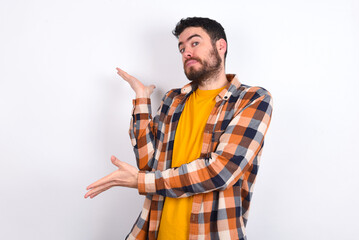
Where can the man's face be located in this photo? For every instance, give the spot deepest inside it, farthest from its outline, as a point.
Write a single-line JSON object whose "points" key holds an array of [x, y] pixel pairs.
{"points": [[200, 57]]}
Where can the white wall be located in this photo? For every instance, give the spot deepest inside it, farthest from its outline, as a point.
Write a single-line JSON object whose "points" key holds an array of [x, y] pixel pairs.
{"points": [[64, 111]]}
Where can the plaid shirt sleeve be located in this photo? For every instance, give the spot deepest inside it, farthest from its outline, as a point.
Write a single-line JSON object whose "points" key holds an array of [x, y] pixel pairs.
{"points": [[238, 145], [143, 130]]}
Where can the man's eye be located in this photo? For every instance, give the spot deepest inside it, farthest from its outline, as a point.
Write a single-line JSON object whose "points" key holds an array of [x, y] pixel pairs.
{"points": [[181, 50], [195, 44]]}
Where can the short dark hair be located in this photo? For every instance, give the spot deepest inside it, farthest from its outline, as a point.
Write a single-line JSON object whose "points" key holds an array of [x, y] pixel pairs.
{"points": [[212, 27]]}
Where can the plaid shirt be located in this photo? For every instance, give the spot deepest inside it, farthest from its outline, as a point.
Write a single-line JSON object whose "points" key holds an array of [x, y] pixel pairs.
{"points": [[221, 180]]}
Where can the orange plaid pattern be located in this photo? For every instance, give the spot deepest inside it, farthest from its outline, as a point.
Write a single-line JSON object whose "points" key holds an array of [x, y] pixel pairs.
{"points": [[221, 180]]}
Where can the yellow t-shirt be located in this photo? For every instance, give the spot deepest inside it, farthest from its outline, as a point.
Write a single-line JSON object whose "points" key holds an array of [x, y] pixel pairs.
{"points": [[187, 147]]}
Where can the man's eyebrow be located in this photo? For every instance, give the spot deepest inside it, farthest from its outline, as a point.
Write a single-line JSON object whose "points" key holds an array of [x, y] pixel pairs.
{"points": [[189, 38]]}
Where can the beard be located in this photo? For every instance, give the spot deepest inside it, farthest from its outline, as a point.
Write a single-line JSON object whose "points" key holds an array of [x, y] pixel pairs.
{"points": [[208, 70]]}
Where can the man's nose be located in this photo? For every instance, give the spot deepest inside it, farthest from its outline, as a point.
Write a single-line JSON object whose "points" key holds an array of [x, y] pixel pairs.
{"points": [[187, 54]]}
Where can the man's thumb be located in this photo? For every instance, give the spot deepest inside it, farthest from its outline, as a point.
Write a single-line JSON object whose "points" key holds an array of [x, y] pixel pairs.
{"points": [[152, 87], [115, 161]]}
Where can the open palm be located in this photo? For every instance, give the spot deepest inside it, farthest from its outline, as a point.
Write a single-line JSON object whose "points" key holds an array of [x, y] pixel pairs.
{"points": [[141, 90]]}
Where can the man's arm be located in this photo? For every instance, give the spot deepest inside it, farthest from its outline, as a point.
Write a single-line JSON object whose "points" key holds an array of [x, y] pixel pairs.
{"points": [[126, 175], [238, 146], [142, 131]]}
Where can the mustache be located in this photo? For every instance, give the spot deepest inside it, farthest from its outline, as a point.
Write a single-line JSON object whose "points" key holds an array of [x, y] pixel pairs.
{"points": [[193, 58]]}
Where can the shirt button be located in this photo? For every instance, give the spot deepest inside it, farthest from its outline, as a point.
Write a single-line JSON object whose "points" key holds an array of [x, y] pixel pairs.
{"points": [[225, 97]]}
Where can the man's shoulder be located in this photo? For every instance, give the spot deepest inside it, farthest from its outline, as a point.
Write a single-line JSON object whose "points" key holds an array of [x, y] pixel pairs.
{"points": [[174, 92], [171, 94], [239, 90], [245, 89], [245, 95]]}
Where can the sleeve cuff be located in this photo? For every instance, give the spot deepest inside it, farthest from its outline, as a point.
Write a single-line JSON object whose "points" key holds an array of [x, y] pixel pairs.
{"points": [[146, 183], [141, 105]]}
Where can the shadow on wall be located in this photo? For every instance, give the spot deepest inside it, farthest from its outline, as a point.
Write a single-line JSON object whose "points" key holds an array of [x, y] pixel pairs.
{"points": [[165, 68]]}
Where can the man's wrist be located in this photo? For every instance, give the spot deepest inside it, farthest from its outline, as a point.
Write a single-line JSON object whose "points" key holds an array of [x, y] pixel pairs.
{"points": [[142, 94], [136, 180], [146, 183]]}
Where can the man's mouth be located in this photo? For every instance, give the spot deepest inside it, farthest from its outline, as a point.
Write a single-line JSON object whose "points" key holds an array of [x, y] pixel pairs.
{"points": [[190, 62]]}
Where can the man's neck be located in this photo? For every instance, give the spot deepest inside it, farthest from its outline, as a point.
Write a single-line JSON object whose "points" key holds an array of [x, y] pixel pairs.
{"points": [[215, 82]]}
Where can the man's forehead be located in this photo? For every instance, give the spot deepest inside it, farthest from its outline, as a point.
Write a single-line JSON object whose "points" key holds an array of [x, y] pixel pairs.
{"points": [[191, 31]]}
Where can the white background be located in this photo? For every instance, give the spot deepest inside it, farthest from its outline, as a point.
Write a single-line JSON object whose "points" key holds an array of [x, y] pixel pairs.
{"points": [[64, 111]]}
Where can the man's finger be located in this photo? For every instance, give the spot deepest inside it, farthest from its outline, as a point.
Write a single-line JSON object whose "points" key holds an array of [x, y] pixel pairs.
{"points": [[115, 161], [122, 73], [102, 181], [96, 191], [151, 88], [120, 70], [101, 191], [127, 77]]}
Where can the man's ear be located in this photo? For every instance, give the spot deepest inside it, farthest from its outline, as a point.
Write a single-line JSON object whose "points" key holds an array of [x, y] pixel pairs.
{"points": [[221, 45]]}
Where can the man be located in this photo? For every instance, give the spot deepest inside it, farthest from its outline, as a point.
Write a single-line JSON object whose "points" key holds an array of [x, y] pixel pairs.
{"points": [[199, 156]]}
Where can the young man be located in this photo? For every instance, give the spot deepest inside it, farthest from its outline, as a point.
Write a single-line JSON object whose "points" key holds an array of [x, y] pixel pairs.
{"points": [[199, 156]]}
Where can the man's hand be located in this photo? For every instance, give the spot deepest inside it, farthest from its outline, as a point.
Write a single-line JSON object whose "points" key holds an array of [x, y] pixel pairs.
{"points": [[124, 176], [141, 90]]}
